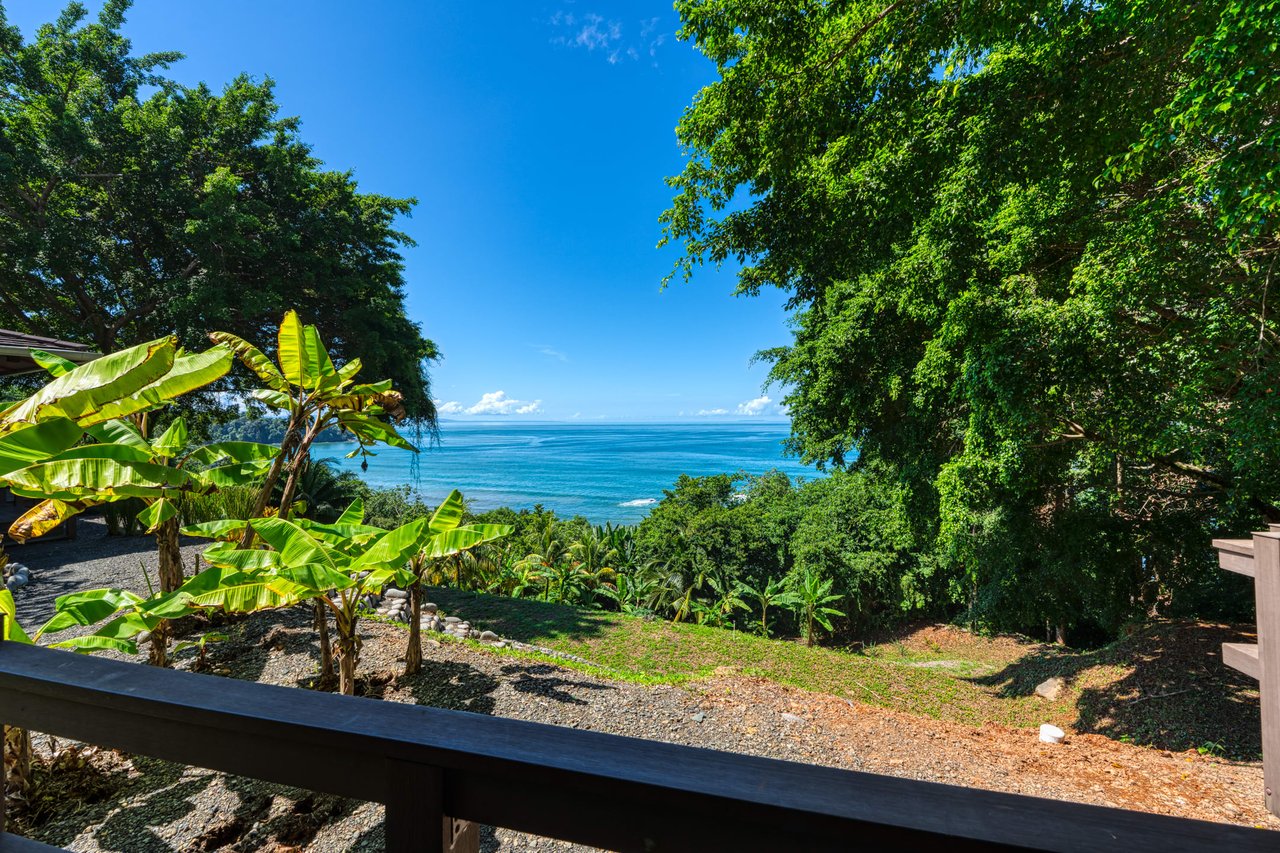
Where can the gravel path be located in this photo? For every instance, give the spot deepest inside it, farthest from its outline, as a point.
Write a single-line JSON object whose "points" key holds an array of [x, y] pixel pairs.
{"points": [[90, 561], [114, 803]]}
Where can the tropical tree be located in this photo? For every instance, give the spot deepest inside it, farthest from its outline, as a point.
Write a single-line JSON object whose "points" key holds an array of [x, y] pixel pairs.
{"points": [[334, 565], [811, 595], [1027, 248], [134, 205], [315, 395]]}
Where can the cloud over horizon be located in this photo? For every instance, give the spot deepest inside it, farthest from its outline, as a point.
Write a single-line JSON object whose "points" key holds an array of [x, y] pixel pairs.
{"points": [[491, 403], [754, 407]]}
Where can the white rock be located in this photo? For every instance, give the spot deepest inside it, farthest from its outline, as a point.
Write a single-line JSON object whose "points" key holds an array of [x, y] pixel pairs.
{"points": [[489, 637], [392, 592], [429, 607]]}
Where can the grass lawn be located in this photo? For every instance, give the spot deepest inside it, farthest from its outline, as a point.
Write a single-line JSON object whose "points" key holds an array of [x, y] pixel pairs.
{"points": [[1164, 686]]}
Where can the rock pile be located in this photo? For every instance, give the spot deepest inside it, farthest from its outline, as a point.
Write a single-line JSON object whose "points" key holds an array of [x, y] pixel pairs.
{"points": [[16, 576], [394, 605]]}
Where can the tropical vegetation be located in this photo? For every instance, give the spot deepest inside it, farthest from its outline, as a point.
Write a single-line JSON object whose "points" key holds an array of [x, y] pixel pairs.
{"points": [[1027, 249], [134, 206]]}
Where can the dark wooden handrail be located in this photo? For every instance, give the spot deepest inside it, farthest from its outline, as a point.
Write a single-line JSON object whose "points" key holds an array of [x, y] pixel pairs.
{"points": [[603, 790]]}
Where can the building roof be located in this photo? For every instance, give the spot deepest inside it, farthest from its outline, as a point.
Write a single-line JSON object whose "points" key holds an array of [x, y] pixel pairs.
{"points": [[15, 351]]}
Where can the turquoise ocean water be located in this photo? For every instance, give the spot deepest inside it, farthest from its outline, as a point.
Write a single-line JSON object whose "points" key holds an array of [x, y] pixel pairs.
{"points": [[606, 472]]}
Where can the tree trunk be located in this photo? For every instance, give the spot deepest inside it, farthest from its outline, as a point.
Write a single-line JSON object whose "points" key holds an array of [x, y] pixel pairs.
{"points": [[16, 763], [277, 465], [1060, 634], [159, 655], [326, 650], [413, 654], [348, 651], [296, 466], [170, 555]]}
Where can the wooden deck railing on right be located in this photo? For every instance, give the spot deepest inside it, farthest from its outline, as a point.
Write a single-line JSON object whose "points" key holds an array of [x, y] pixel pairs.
{"points": [[1259, 558], [436, 769]]}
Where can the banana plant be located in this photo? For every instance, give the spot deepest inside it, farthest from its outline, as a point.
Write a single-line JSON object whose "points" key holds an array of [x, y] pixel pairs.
{"points": [[315, 395], [772, 593], [812, 595], [125, 463], [304, 384], [443, 537], [50, 423], [328, 566]]}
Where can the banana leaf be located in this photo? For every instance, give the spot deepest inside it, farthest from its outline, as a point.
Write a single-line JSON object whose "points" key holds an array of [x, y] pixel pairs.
{"points": [[12, 630], [45, 516], [96, 479], [254, 359], [187, 373], [32, 443], [83, 393]]}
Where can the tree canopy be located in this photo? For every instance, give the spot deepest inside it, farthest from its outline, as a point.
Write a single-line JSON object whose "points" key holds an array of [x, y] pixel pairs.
{"points": [[1029, 247], [132, 206]]}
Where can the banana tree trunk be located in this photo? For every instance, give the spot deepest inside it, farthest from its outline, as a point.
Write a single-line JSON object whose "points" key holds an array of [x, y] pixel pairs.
{"points": [[296, 467], [170, 555], [17, 762], [348, 651], [159, 655], [413, 654], [326, 649], [273, 475]]}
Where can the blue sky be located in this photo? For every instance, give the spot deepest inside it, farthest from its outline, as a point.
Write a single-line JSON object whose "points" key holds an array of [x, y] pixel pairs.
{"points": [[536, 138]]}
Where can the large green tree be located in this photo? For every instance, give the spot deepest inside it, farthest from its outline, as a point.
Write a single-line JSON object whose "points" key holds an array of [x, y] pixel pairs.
{"points": [[132, 207], [1030, 250]]}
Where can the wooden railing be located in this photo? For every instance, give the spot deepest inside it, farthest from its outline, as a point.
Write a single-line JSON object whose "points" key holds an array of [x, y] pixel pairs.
{"points": [[613, 792], [1259, 558]]}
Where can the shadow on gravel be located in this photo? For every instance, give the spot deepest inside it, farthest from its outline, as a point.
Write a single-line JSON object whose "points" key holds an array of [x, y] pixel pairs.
{"points": [[253, 827], [524, 619], [454, 686], [542, 679], [156, 797], [1164, 687]]}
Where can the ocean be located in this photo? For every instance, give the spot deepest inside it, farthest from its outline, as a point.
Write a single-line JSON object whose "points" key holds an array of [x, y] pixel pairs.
{"points": [[605, 472]]}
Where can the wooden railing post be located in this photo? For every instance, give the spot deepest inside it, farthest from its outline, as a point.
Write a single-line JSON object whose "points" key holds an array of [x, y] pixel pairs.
{"points": [[1266, 590], [415, 821], [1259, 558]]}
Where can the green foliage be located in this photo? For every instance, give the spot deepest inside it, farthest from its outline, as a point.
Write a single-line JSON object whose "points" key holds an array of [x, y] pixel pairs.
{"points": [[132, 205], [1028, 249], [266, 429]]}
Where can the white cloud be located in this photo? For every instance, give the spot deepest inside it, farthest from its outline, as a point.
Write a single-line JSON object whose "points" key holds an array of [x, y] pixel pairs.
{"points": [[550, 352], [754, 407], [596, 33], [498, 403], [705, 412], [452, 407]]}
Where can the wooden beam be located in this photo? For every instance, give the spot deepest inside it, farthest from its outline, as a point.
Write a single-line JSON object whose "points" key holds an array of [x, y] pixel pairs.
{"points": [[1235, 555], [1244, 657], [601, 790]]}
